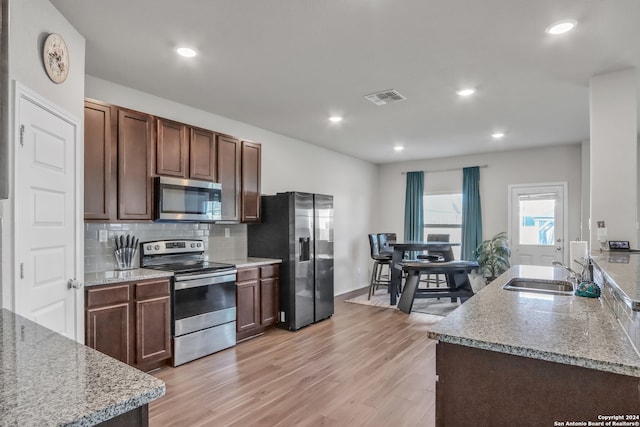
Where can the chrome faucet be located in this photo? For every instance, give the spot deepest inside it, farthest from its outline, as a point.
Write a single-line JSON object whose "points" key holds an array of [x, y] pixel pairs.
{"points": [[573, 275]]}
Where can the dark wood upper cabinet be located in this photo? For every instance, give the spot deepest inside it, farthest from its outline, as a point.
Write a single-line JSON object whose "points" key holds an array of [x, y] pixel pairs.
{"points": [[125, 149], [228, 165], [100, 160], [135, 136], [202, 152], [250, 197], [172, 149], [185, 152]]}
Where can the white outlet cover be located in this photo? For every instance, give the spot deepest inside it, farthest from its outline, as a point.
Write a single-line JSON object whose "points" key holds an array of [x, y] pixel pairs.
{"points": [[103, 236]]}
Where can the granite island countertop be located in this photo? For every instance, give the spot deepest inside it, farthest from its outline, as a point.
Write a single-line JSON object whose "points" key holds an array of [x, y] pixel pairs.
{"points": [[564, 329], [48, 379]]}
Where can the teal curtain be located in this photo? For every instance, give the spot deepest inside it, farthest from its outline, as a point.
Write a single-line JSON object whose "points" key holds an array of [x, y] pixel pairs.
{"points": [[471, 212], [413, 211]]}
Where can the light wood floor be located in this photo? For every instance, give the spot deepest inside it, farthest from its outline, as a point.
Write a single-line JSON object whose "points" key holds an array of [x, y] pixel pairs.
{"points": [[366, 366]]}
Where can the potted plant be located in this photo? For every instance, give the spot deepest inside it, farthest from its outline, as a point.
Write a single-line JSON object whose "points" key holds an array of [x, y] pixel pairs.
{"points": [[493, 256]]}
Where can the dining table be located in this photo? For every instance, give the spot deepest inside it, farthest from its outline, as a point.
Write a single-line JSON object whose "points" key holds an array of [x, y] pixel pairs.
{"points": [[399, 248]]}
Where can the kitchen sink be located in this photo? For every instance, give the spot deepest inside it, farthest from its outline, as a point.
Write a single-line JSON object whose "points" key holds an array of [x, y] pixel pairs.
{"points": [[554, 287]]}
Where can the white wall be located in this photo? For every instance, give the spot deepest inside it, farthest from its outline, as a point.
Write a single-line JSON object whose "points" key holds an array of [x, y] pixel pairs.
{"points": [[30, 22], [287, 164], [550, 164], [613, 119]]}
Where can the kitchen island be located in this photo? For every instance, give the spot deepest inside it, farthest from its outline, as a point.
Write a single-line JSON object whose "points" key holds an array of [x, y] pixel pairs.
{"points": [[520, 358], [48, 379]]}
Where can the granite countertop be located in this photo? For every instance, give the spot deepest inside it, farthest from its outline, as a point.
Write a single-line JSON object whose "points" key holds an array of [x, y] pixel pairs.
{"points": [[115, 276], [564, 329], [250, 261], [48, 379], [622, 269]]}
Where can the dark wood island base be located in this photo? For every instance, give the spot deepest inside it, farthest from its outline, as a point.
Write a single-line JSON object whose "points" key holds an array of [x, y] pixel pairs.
{"points": [[138, 417], [480, 387]]}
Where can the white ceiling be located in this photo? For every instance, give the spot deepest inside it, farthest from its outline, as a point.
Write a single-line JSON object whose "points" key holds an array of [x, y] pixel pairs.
{"points": [[286, 65]]}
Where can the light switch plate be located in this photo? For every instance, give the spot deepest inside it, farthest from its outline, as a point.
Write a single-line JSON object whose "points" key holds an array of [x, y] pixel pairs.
{"points": [[102, 236]]}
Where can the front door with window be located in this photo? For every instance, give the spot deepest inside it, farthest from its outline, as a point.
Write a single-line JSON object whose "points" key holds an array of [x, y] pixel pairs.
{"points": [[537, 223]]}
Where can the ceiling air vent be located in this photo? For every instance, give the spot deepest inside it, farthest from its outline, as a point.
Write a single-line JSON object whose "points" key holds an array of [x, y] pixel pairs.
{"points": [[385, 97]]}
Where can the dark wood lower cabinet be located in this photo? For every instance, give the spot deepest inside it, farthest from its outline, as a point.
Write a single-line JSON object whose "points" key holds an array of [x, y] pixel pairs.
{"points": [[256, 300], [108, 330], [247, 306], [481, 387], [130, 322]]}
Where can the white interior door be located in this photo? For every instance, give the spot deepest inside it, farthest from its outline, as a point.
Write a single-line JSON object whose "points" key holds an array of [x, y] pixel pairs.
{"points": [[46, 216], [537, 216]]}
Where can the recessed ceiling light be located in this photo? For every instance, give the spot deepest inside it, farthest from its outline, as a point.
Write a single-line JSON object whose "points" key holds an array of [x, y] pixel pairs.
{"points": [[466, 92], [497, 135], [561, 27], [398, 148], [335, 119], [187, 52]]}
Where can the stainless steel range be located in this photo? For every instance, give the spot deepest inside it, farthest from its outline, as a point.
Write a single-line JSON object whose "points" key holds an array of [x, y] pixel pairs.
{"points": [[203, 297]]}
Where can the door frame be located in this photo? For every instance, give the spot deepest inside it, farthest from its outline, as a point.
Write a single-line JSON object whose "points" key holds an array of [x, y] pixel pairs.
{"points": [[565, 212], [23, 92]]}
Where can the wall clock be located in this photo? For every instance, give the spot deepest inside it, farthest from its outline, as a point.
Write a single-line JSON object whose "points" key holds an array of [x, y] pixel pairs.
{"points": [[56, 58]]}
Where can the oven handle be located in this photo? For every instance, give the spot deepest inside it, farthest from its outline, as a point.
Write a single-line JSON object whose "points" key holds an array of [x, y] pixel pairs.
{"points": [[180, 278], [196, 283]]}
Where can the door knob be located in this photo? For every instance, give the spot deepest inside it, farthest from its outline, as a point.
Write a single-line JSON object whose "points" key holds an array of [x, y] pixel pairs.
{"points": [[74, 284]]}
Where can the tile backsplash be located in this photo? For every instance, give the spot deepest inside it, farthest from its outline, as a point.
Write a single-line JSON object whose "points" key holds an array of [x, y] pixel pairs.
{"points": [[221, 241]]}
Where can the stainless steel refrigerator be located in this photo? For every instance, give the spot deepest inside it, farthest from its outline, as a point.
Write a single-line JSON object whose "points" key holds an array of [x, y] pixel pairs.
{"points": [[298, 228]]}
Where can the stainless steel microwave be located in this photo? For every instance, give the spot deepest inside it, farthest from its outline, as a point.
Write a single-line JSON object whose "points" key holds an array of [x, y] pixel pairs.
{"points": [[191, 200]]}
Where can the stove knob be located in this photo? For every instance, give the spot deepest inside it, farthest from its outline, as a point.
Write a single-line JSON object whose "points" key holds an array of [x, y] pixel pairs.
{"points": [[148, 247], [193, 245], [156, 247], [199, 244]]}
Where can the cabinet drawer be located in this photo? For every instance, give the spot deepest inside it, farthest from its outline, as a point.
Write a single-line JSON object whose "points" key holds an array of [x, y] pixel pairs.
{"points": [[247, 274], [156, 288], [272, 270], [107, 295]]}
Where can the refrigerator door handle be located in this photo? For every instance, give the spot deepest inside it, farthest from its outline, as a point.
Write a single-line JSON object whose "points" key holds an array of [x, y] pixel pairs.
{"points": [[305, 249]]}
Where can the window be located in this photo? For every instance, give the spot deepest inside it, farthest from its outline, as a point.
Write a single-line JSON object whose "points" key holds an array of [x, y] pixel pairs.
{"points": [[537, 221], [443, 215]]}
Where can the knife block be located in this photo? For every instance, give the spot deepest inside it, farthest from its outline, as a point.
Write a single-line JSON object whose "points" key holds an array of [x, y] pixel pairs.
{"points": [[124, 258]]}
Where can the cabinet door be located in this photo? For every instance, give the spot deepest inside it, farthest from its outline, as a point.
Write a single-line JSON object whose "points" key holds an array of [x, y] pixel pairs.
{"points": [[107, 330], [202, 164], [153, 333], [100, 150], [247, 305], [250, 198], [268, 301], [228, 165], [135, 133], [172, 148]]}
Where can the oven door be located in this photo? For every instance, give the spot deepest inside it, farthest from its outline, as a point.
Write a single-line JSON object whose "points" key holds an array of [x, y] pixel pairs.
{"points": [[203, 301], [187, 200]]}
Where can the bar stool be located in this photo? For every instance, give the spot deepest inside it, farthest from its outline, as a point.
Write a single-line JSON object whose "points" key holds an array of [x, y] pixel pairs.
{"points": [[379, 260]]}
